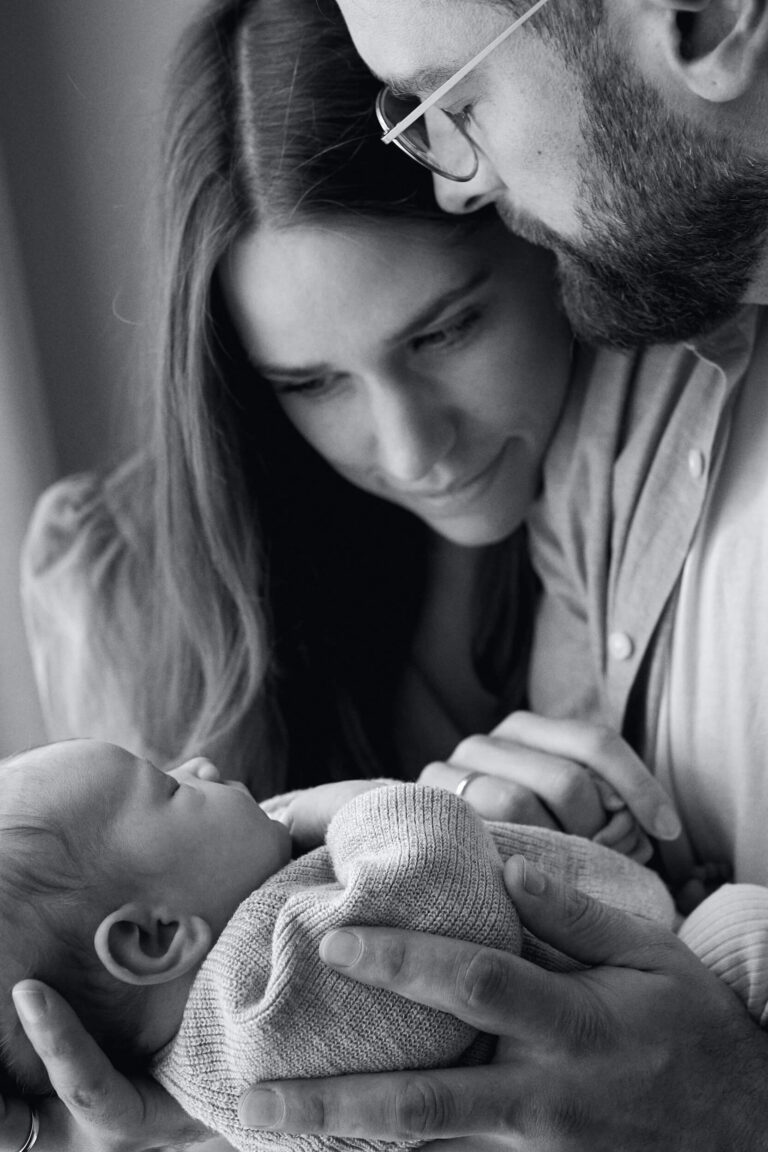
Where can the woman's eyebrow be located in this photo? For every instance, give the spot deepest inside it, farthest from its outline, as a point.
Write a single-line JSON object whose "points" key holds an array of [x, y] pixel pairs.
{"points": [[423, 319], [436, 307]]}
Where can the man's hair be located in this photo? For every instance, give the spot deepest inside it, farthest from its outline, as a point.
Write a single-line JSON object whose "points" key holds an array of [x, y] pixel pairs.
{"points": [[566, 23], [56, 885]]}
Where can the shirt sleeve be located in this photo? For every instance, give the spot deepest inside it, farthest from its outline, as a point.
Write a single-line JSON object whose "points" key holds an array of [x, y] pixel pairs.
{"points": [[729, 933]]}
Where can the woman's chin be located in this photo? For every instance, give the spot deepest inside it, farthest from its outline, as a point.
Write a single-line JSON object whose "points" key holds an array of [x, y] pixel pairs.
{"points": [[474, 532]]}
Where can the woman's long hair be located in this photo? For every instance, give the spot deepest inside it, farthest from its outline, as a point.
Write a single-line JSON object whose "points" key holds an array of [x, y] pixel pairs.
{"points": [[281, 600]]}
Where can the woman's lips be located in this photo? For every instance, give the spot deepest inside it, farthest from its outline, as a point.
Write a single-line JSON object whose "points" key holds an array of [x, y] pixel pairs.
{"points": [[461, 491]]}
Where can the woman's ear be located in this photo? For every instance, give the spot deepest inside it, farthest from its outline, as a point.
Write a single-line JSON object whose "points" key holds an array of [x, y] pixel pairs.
{"points": [[139, 944], [717, 48]]}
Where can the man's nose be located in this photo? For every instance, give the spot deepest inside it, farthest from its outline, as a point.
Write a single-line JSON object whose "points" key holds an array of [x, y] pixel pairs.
{"points": [[413, 433], [462, 197]]}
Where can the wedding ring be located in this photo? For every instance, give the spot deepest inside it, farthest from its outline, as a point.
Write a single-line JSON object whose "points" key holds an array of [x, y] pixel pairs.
{"points": [[34, 1129], [465, 782]]}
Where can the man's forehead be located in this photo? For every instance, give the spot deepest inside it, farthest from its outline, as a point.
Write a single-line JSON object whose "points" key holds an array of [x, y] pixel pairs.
{"points": [[418, 44]]}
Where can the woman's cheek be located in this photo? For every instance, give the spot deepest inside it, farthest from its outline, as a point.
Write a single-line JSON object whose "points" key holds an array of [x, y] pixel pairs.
{"points": [[323, 426]]}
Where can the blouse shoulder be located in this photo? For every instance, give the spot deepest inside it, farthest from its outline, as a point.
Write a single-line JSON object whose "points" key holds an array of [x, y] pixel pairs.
{"points": [[77, 522], [78, 584]]}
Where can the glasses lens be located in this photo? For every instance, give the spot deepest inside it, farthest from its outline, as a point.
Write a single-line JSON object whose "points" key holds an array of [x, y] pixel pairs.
{"points": [[434, 139]]}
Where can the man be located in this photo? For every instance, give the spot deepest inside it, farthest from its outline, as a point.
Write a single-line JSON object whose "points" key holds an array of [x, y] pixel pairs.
{"points": [[631, 136]]}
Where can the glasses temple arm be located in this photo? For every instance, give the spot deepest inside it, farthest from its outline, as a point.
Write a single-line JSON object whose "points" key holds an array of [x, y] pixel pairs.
{"points": [[438, 94]]}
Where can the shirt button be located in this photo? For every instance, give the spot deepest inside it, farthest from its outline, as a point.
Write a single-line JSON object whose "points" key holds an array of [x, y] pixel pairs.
{"points": [[620, 645], [696, 463]]}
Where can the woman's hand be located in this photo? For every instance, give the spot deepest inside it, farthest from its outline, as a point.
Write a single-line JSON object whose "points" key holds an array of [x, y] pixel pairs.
{"points": [[644, 1048], [572, 775], [308, 812], [97, 1109]]}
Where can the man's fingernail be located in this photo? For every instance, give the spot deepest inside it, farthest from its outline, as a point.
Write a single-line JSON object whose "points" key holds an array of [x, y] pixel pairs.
{"points": [[261, 1108], [30, 1004], [340, 948], [533, 881], [666, 825]]}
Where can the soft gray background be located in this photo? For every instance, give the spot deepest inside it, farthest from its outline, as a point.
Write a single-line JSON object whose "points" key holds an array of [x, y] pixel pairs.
{"points": [[80, 100], [81, 85]]}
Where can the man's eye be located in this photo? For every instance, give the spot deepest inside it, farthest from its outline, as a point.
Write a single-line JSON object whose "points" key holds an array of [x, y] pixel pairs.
{"points": [[461, 116]]}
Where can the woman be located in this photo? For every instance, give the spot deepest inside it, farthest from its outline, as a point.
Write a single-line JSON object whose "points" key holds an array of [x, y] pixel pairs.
{"points": [[248, 590], [315, 570]]}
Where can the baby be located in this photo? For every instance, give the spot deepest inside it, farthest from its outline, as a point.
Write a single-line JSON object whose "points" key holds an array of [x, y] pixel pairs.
{"points": [[165, 907]]}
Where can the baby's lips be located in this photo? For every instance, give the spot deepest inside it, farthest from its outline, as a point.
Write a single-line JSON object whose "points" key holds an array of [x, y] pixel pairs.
{"points": [[237, 785]]}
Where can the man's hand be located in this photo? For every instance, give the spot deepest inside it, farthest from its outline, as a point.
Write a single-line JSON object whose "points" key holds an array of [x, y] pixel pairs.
{"points": [[643, 1049], [97, 1109]]}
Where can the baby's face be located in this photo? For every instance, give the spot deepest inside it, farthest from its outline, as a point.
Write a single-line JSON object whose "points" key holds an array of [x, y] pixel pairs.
{"points": [[201, 845]]}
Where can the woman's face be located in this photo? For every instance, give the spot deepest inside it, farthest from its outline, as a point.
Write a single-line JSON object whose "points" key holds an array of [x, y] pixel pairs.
{"points": [[426, 367]]}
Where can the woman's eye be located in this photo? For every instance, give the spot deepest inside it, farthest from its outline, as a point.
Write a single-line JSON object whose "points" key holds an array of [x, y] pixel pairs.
{"points": [[450, 334], [311, 387]]}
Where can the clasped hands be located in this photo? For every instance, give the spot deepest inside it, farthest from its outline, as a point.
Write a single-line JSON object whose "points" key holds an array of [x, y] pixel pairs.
{"points": [[644, 1048]]}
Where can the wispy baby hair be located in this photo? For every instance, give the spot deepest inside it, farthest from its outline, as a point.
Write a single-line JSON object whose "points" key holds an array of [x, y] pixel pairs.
{"points": [[56, 884]]}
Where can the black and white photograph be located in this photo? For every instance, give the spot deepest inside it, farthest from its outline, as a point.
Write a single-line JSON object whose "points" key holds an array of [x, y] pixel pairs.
{"points": [[383, 534]]}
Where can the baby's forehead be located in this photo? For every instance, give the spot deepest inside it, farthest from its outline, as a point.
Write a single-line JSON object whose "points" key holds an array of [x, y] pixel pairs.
{"points": [[68, 769]]}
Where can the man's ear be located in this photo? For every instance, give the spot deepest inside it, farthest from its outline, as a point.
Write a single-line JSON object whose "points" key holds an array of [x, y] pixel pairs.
{"points": [[139, 944], [717, 48]]}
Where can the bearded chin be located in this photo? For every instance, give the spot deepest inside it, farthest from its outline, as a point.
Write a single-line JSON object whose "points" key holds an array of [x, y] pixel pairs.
{"points": [[674, 221], [662, 288]]}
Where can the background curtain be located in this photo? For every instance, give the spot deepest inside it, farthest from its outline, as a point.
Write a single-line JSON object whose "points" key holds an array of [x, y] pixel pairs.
{"points": [[81, 94], [26, 465]]}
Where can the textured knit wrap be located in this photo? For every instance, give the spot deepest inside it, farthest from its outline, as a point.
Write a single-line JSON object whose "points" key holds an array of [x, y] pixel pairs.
{"points": [[263, 1005]]}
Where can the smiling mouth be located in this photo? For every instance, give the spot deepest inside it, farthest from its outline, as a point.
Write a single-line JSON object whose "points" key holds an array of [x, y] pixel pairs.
{"points": [[462, 489]]}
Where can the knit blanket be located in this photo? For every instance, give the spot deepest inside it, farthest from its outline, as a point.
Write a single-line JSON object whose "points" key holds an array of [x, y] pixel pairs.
{"points": [[264, 1007]]}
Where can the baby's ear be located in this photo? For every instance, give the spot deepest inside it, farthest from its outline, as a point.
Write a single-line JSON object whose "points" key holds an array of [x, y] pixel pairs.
{"points": [[139, 944]]}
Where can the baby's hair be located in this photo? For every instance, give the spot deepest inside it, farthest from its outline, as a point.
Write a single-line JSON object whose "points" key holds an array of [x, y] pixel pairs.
{"points": [[56, 884]]}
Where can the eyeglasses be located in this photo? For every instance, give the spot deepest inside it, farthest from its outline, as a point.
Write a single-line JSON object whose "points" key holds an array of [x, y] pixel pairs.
{"points": [[441, 143]]}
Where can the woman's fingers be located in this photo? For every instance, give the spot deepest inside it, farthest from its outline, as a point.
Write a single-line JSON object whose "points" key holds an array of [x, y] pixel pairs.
{"points": [[623, 834], [603, 751], [493, 797], [563, 786], [112, 1111], [518, 783]]}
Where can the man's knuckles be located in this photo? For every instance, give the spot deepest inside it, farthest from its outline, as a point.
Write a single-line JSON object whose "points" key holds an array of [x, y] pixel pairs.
{"points": [[423, 1106], [485, 983]]}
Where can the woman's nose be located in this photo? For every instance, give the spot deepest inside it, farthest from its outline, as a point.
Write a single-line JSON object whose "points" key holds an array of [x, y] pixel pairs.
{"points": [[465, 196], [413, 432]]}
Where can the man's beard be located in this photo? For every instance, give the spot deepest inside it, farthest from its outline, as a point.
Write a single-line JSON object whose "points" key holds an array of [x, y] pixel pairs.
{"points": [[674, 221]]}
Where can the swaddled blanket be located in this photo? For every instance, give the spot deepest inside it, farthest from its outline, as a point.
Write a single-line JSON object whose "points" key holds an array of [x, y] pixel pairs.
{"points": [[265, 1007]]}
